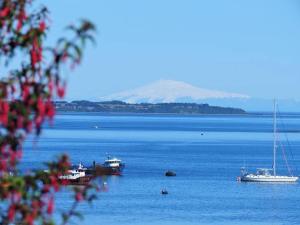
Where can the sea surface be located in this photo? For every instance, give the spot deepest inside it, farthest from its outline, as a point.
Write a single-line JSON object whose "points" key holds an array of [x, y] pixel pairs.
{"points": [[206, 152]]}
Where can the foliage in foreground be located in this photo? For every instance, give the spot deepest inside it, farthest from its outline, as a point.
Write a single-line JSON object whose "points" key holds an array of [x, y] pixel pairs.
{"points": [[31, 79]]}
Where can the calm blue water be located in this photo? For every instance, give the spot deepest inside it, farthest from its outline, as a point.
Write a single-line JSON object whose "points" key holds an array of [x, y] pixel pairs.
{"points": [[204, 191]]}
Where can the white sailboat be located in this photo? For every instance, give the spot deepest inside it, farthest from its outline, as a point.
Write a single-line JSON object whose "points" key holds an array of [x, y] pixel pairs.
{"points": [[268, 175]]}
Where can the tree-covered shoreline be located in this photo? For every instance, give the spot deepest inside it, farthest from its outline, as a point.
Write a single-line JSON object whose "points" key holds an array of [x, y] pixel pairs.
{"points": [[122, 107]]}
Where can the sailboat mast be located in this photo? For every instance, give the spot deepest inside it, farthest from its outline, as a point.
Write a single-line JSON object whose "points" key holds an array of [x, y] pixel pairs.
{"points": [[274, 138]]}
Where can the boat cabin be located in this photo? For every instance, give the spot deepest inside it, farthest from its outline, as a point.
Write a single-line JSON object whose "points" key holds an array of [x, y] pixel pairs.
{"points": [[112, 162], [264, 171], [74, 173]]}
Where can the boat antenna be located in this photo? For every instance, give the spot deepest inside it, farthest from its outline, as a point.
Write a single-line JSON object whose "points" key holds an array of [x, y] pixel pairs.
{"points": [[274, 138]]}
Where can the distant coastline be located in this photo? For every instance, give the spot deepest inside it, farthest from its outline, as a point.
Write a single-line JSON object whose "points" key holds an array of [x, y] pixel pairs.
{"points": [[147, 108]]}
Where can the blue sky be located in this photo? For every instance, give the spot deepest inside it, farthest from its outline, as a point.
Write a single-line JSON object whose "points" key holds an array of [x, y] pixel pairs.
{"points": [[250, 47]]}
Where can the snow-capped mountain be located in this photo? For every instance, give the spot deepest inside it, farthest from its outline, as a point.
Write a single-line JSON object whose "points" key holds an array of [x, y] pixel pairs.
{"points": [[167, 91]]}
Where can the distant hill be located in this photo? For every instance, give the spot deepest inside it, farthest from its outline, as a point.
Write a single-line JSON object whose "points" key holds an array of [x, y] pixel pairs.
{"points": [[122, 107]]}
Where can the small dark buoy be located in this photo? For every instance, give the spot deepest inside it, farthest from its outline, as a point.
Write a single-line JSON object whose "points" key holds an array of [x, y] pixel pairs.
{"points": [[170, 173], [164, 192], [202, 134]]}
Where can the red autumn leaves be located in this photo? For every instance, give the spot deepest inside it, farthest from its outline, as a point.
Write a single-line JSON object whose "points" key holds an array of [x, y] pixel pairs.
{"points": [[4, 110], [40, 104], [34, 103], [43, 202], [4, 12], [35, 52], [26, 101], [60, 90], [21, 18], [42, 26]]}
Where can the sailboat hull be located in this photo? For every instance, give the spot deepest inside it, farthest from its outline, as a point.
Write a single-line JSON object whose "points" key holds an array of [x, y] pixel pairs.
{"points": [[271, 179]]}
